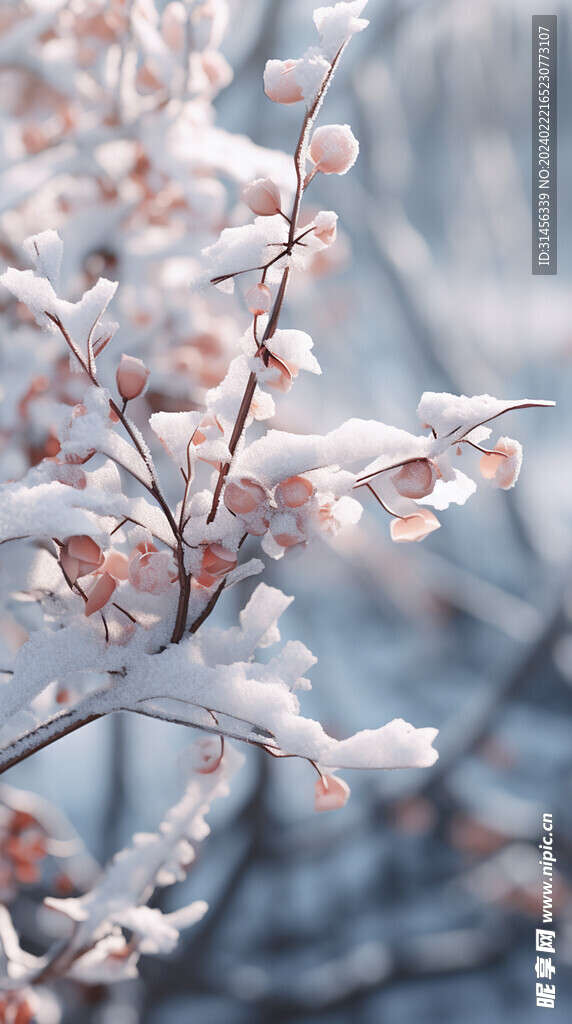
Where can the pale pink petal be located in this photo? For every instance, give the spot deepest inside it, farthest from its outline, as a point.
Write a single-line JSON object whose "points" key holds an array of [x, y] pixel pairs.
{"points": [[283, 380], [331, 793], [414, 527], [116, 564], [217, 561], [69, 565], [86, 549], [100, 593], [502, 469]]}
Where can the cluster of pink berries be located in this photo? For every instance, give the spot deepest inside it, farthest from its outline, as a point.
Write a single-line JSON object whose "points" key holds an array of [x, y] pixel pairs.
{"points": [[417, 480], [148, 570], [291, 513]]}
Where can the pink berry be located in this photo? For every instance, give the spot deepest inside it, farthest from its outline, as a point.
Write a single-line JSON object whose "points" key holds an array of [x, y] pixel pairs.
{"points": [[262, 196], [131, 376], [243, 497], [151, 573], [334, 148], [331, 793], [258, 299], [415, 479], [280, 83], [414, 527], [294, 492]]}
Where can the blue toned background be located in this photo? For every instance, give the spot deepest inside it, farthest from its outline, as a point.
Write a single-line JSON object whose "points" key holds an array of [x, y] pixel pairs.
{"points": [[419, 901]]}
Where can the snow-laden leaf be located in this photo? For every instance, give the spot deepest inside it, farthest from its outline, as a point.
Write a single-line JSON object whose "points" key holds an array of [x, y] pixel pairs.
{"points": [[46, 251], [293, 347], [248, 247], [280, 454], [79, 320], [453, 416], [250, 700], [456, 489], [251, 247], [337, 24], [55, 510], [52, 654], [175, 430], [224, 401], [258, 628]]}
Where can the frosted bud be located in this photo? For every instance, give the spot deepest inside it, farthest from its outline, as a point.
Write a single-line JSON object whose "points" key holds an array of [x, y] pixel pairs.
{"points": [[243, 497], [415, 479], [331, 793], [280, 83], [414, 527], [334, 148], [294, 492], [325, 228], [262, 197], [151, 573], [80, 556], [131, 377], [502, 470], [258, 299], [100, 593], [258, 522]]}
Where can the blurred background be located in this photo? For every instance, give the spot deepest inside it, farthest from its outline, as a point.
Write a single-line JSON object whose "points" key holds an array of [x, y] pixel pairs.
{"points": [[419, 901]]}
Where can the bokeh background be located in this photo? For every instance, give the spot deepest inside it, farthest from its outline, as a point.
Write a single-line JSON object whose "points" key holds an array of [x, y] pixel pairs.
{"points": [[418, 902]]}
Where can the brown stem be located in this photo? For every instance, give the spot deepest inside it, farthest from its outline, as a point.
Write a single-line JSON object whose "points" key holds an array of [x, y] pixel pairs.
{"points": [[207, 609], [23, 748], [154, 488]]}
